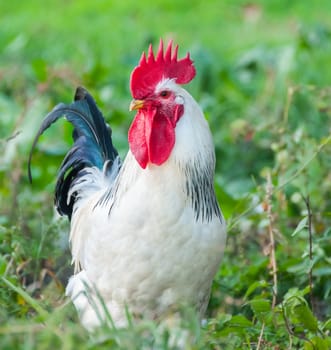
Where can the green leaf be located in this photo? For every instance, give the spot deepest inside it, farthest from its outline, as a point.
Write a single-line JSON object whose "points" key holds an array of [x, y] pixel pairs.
{"points": [[295, 293], [260, 307], [252, 288], [322, 271], [236, 325], [301, 225], [327, 325], [306, 317], [318, 343], [240, 321]]}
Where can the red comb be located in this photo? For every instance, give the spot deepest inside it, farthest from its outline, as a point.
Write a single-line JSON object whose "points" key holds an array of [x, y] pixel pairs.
{"points": [[152, 70]]}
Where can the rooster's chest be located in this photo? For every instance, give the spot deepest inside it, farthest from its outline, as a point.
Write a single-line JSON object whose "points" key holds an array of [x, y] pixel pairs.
{"points": [[152, 249]]}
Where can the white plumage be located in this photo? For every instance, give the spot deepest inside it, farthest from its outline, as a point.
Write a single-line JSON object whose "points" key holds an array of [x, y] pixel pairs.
{"points": [[147, 239], [149, 252]]}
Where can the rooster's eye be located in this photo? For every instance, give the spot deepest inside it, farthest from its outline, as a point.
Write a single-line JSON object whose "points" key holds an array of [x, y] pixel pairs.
{"points": [[165, 93]]}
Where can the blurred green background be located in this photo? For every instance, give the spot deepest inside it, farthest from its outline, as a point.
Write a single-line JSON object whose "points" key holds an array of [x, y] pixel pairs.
{"points": [[263, 81]]}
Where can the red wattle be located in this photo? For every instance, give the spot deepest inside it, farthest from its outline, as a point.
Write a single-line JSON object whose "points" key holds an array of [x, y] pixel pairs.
{"points": [[151, 137], [162, 139], [137, 139]]}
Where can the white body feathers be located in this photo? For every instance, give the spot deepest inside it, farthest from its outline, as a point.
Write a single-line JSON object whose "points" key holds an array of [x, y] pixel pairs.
{"points": [[152, 238]]}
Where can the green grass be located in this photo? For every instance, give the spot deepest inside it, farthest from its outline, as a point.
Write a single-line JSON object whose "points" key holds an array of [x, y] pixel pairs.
{"points": [[264, 83]]}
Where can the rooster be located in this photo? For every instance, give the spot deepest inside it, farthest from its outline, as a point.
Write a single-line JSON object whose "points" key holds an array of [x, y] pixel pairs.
{"points": [[147, 234]]}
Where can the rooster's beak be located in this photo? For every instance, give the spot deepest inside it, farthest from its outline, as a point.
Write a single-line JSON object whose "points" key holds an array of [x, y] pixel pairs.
{"points": [[136, 104]]}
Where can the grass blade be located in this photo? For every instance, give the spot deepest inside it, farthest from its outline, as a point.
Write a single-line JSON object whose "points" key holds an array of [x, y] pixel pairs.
{"points": [[32, 302]]}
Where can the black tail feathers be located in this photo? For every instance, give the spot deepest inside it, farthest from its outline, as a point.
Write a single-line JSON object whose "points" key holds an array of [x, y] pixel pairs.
{"points": [[92, 145]]}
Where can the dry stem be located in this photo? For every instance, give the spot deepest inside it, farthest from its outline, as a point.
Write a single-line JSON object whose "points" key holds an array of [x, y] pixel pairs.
{"points": [[272, 253]]}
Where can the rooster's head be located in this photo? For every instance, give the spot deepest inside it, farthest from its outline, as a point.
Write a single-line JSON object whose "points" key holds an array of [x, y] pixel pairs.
{"points": [[159, 103]]}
